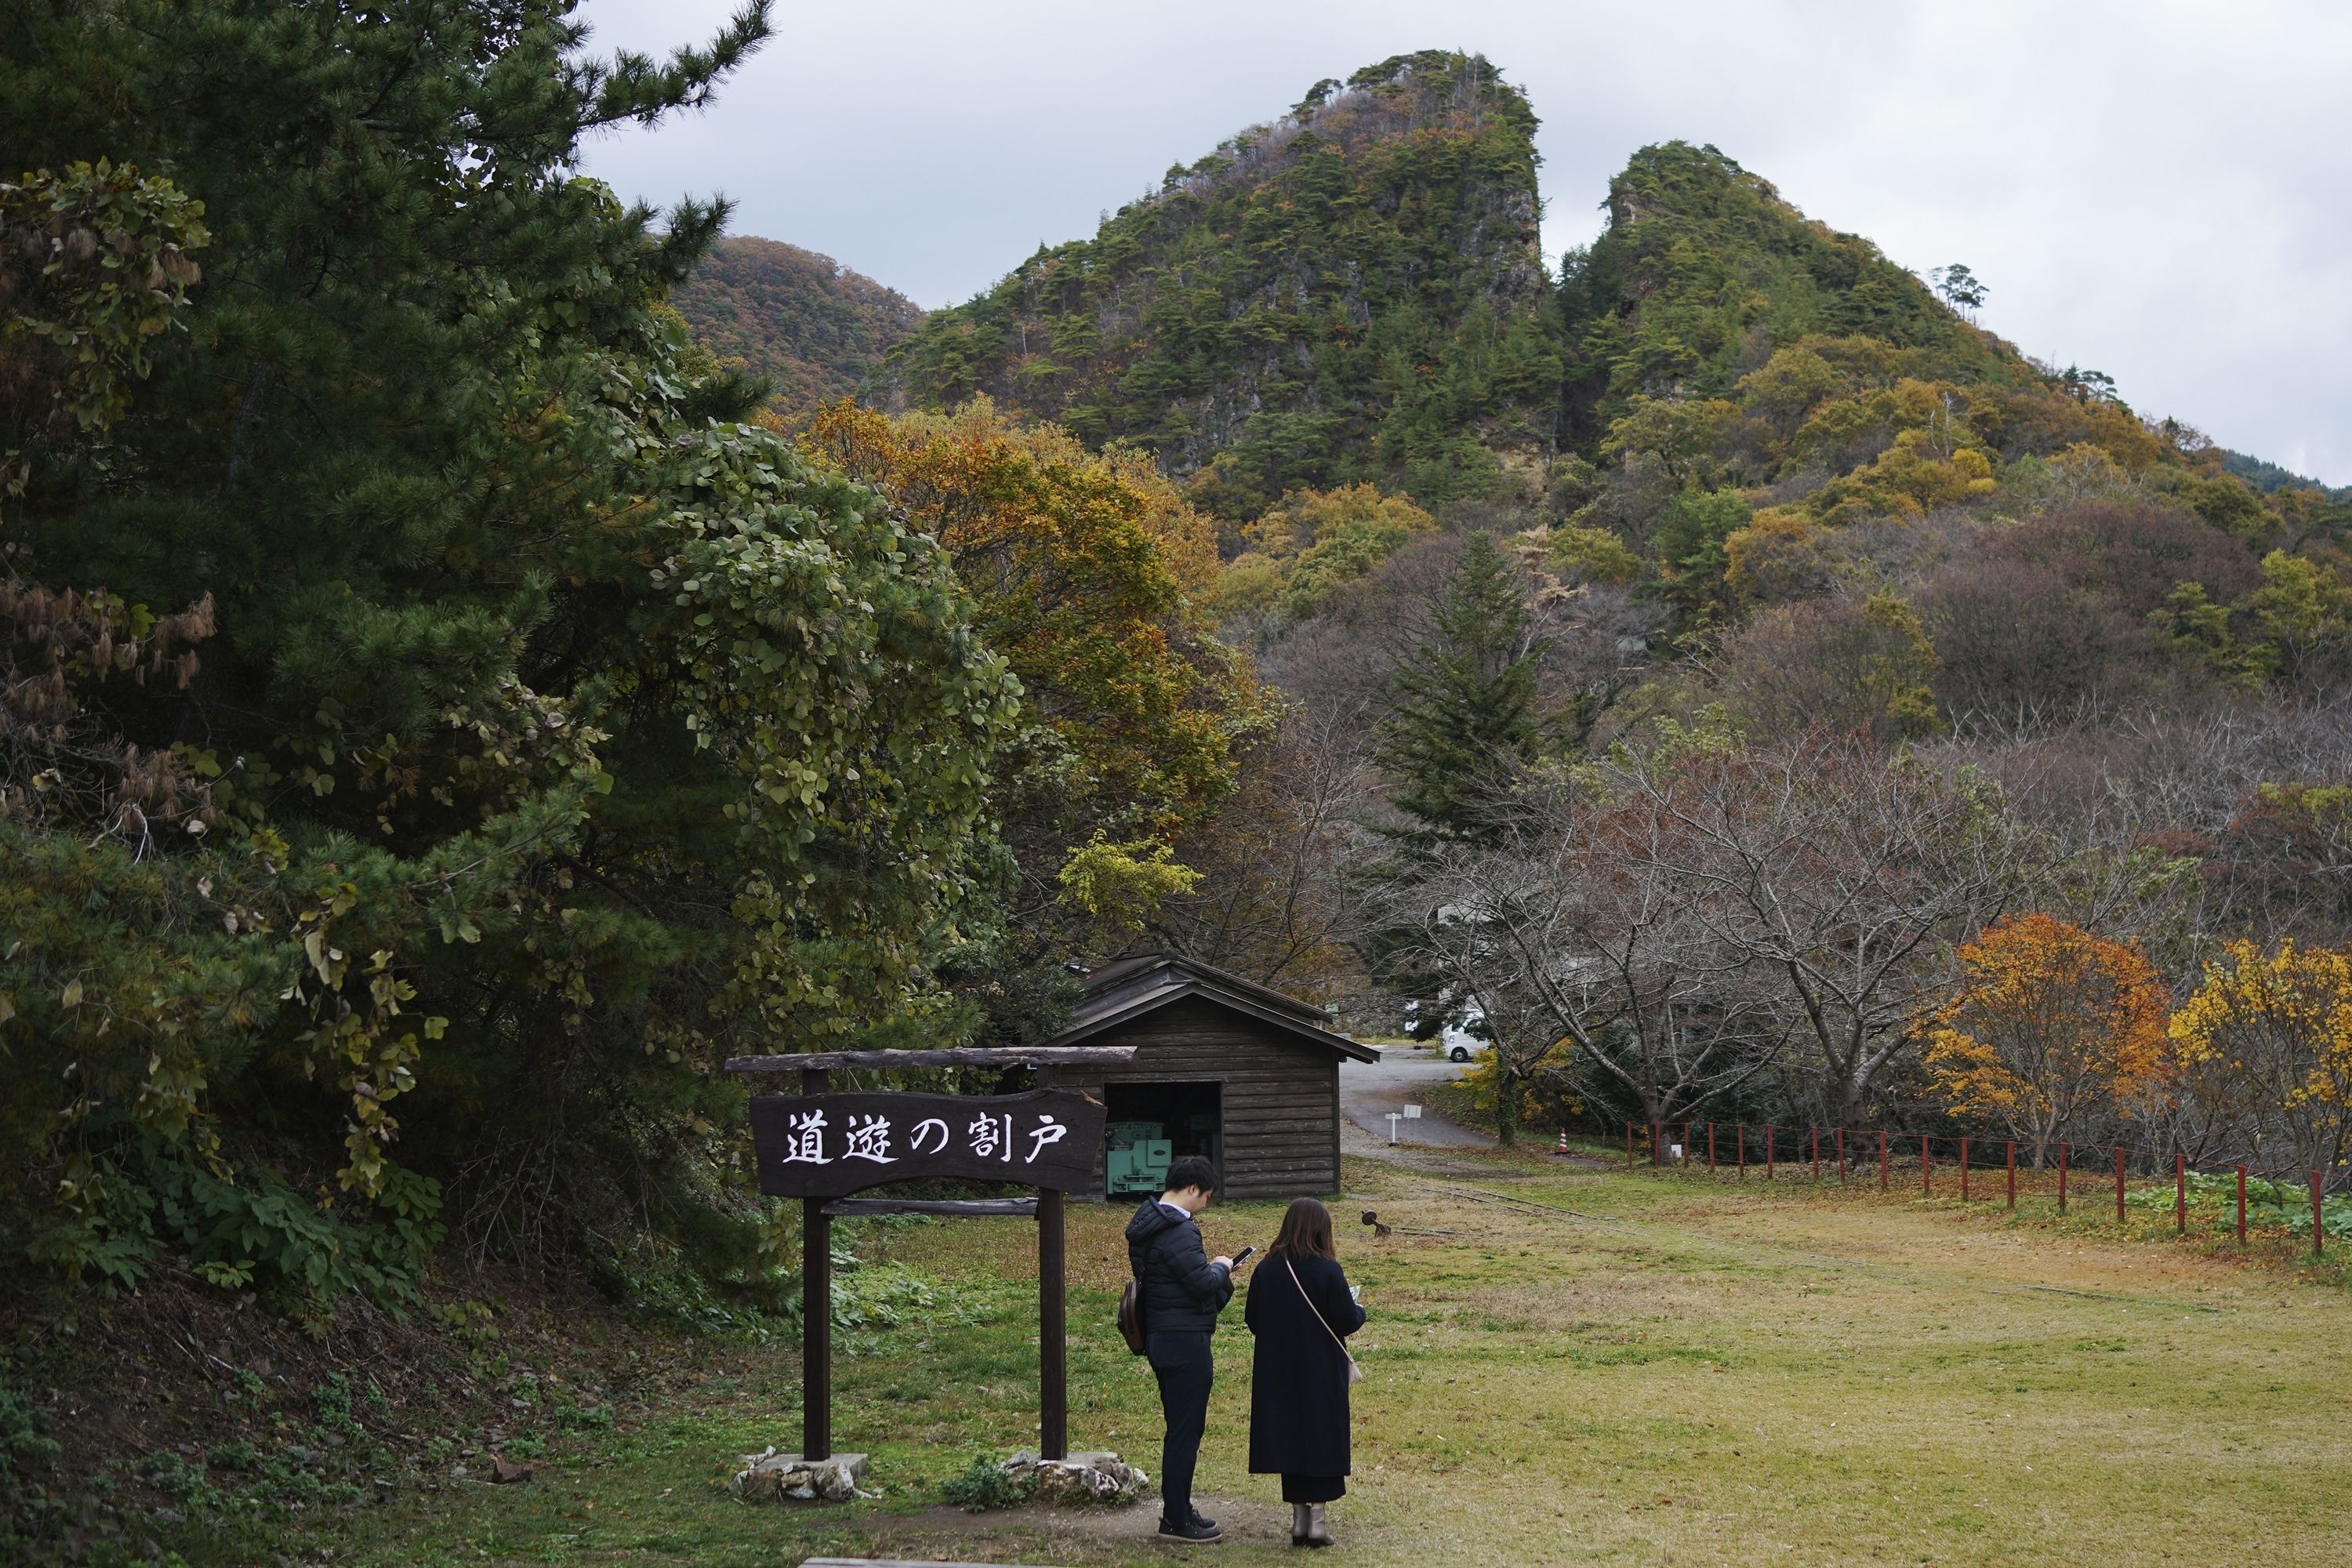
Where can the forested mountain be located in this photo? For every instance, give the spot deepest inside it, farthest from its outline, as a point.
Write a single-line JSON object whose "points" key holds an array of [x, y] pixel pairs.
{"points": [[810, 325], [1351, 292], [1788, 444]]}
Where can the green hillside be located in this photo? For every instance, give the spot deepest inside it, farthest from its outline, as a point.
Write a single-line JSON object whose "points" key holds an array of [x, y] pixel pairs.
{"points": [[1744, 382], [1352, 291], [1704, 269], [813, 327]]}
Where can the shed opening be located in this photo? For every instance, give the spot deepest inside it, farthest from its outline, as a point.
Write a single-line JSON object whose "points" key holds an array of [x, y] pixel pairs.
{"points": [[1152, 1125]]}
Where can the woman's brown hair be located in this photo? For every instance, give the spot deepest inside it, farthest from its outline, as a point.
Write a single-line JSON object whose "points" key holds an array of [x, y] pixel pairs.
{"points": [[1306, 1231]]}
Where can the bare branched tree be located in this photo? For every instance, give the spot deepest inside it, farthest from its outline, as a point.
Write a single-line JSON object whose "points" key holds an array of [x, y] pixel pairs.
{"points": [[1576, 929], [1273, 902], [1847, 875]]}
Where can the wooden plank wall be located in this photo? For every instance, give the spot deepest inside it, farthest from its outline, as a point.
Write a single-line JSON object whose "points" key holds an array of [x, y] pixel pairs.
{"points": [[1281, 1094]]}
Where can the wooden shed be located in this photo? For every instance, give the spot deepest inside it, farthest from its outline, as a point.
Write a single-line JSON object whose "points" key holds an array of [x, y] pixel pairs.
{"points": [[1224, 1066]]}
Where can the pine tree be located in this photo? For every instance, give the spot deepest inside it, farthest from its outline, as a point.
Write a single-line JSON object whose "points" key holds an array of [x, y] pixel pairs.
{"points": [[1465, 722]]}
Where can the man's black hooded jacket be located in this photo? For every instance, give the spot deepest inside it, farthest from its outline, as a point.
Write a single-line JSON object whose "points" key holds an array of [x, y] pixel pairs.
{"points": [[1180, 1290]]}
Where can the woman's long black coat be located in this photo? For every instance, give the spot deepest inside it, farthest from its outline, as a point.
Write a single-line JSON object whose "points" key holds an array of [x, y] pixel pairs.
{"points": [[1298, 1389]]}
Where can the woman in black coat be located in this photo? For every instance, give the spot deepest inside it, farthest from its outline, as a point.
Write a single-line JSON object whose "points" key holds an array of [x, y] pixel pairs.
{"points": [[1300, 1308]]}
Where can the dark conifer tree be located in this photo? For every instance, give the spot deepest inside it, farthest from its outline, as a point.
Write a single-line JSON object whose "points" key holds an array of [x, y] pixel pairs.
{"points": [[1465, 727], [1465, 721]]}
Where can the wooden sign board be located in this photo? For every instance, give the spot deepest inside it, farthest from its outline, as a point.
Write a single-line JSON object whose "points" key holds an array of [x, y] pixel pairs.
{"points": [[830, 1145]]}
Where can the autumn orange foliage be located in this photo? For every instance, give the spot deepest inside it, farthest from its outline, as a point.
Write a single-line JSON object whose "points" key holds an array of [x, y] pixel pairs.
{"points": [[2050, 1024]]}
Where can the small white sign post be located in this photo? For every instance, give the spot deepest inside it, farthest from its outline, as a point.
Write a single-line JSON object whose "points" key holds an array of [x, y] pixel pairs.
{"points": [[1410, 1113]]}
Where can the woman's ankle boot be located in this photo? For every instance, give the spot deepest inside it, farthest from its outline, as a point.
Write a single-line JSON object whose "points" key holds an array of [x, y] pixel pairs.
{"points": [[1318, 1528], [1300, 1514]]}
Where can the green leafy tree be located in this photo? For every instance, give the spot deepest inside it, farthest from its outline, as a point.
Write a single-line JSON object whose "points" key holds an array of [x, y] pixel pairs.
{"points": [[1304, 551], [1086, 571], [428, 722]]}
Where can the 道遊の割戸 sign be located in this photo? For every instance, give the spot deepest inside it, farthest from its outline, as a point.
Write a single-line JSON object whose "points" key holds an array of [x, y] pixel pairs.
{"points": [[830, 1146]]}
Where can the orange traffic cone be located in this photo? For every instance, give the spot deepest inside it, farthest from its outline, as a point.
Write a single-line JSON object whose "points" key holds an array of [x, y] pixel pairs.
{"points": [[1563, 1141]]}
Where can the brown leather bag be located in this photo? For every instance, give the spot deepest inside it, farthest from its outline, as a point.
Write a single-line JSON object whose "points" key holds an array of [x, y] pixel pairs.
{"points": [[1130, 1316]]}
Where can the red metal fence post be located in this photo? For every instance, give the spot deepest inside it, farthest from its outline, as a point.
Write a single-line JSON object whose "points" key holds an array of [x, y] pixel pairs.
{"points": [[2179, 1192], [2062, 1175], [1817, 1150], [2120, 1184], [1741, 1158], [1710, 1146], [1881, 1158], [2318, 1239], [1926, 1167], [1768, 1151], [2012, 1173], [1628, 1145], [1840, 1138], [1964, 1170], [2241, 1205]]}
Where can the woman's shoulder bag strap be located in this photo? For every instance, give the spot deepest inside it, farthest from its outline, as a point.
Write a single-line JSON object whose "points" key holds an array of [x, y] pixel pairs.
{"points": [[1355, 1373]]}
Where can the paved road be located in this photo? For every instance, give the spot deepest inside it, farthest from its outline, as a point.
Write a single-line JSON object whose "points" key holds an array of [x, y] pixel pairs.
{"points": [[1369, 1090]]}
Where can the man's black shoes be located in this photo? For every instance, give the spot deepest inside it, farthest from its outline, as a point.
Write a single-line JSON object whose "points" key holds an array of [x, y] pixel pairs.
{"points": [[1193, 1528], [1203, 1520]]}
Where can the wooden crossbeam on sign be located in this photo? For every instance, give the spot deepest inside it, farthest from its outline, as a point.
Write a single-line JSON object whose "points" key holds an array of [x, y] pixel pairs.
{"points": [[975, 1056], [849, 1208]]}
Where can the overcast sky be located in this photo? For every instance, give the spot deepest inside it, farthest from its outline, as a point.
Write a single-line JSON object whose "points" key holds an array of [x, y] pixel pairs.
{"points": [[2162, 191]]}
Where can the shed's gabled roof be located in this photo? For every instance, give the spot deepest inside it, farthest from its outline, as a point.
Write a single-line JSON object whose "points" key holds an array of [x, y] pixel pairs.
{"points": [[1119, 992]]}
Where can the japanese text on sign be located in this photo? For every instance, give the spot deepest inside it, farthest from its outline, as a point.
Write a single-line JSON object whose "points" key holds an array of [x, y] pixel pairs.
{"points": [[867, 1137], [828, 1145]]}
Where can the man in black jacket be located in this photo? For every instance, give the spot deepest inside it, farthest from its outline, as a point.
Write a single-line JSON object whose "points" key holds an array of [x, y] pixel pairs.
{"points": [[1179, 1292]]}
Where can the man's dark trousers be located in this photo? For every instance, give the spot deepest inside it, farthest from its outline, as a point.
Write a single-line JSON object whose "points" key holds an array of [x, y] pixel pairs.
{"points": [[1185, 1370]]}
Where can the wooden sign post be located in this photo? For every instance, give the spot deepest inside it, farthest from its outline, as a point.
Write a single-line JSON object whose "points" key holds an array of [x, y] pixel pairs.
{"points": [[822, 1147]]}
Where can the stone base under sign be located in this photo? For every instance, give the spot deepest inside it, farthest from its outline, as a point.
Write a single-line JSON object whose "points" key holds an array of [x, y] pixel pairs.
{"points": [[774, 1478], [1095, 1478]]}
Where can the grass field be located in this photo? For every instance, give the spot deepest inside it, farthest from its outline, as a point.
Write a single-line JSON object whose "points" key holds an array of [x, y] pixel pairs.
{"points": [[1566, 1365]]}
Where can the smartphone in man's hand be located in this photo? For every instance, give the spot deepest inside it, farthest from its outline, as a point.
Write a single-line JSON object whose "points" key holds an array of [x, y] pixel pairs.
{"points": [[1243, 1255]]}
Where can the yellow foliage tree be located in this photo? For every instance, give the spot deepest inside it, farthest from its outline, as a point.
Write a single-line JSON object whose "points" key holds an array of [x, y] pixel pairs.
{"points": [[2274, 1034], [1089, 570], [2050, 1024], [1306, 548], [1913, 477], [1123, 883]]}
